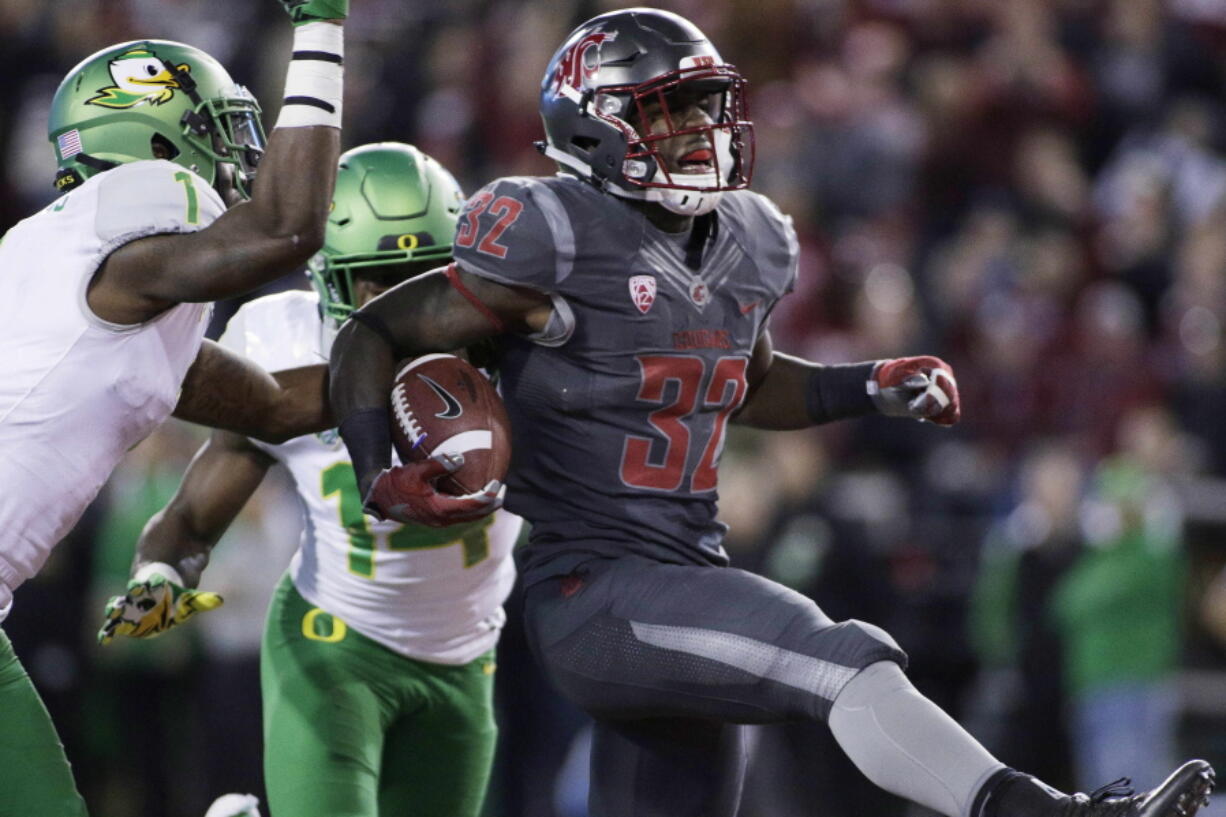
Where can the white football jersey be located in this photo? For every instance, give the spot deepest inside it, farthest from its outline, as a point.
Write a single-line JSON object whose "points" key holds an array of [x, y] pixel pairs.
{"points": [[433, 594], [76, 392]]}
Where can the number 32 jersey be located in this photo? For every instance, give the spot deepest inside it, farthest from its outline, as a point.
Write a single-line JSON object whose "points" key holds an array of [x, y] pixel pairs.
{"points": [[432, 594], [619, 407]]}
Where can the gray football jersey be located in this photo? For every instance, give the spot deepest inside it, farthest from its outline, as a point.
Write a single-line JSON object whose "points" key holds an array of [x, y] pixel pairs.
{"points": [[619, 409]]}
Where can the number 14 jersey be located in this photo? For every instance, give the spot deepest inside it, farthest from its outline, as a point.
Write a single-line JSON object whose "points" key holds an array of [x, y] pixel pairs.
{"points": [[432, 594], [619, 408]]}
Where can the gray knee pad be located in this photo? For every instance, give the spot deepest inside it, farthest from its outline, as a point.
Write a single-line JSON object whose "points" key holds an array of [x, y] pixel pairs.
{"points": [[858, 644], [877, 634]]}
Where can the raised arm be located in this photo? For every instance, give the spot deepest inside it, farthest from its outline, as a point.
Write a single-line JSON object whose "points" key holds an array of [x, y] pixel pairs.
{"points": [[787, 392], [249, 245], [273, 233], [225, 390]]}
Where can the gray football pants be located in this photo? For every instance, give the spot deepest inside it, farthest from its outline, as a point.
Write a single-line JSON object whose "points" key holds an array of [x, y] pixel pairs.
{"points": [[671, 659]]}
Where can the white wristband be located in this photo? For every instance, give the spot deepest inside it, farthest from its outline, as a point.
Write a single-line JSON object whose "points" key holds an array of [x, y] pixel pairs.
{"points": [[315, 78], [146, 571]]}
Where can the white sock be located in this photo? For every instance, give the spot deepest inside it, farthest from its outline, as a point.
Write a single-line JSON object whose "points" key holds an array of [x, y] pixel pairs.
{"points": [[905, 744]]}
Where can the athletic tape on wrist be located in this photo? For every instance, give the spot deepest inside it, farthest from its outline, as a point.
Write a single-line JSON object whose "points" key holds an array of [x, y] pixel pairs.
{"points": [[315, 78], [147, 571]]}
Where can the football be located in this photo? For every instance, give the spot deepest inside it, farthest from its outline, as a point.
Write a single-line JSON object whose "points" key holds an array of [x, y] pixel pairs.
{"points": [[441, 403]]}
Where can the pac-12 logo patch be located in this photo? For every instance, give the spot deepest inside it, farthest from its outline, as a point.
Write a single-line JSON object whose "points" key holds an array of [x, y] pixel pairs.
{"points": [[643, 291]]}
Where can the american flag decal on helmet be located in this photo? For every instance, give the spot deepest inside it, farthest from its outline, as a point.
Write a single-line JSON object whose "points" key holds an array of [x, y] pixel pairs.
{"points": [[69, 143]]}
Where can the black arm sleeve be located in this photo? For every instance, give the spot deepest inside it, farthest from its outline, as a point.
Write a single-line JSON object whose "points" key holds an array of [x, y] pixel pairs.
{"points": [[368, 436], [838, 392]]}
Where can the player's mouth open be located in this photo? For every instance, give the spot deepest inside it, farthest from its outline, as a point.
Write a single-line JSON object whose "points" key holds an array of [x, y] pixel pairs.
{"points": [[701, 160]]}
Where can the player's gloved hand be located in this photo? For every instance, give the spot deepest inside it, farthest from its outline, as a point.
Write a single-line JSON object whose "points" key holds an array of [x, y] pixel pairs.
{"points": [[155, 601], [313, 11], [922, 388], [406, 493]]}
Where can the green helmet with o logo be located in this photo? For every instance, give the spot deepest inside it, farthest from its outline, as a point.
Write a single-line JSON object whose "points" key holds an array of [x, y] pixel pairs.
{"points": [[394, 209], [118, 103]]}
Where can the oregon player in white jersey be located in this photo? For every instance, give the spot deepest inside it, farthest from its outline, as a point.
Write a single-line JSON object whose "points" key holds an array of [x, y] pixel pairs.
{"points": [[109, 290], [377, 658]]}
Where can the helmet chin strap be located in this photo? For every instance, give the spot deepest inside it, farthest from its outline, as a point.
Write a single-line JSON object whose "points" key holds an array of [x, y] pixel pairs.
{"points": [[681, 202], [564, 158], [701, 202], [692, 202]]}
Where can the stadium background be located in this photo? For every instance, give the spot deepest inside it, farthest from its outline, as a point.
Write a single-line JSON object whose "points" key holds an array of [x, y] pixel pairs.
{"points": [[1033, 189]]}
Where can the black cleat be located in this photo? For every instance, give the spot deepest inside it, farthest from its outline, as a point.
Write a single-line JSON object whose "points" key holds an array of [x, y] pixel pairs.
{"points": [[1180, 795]]}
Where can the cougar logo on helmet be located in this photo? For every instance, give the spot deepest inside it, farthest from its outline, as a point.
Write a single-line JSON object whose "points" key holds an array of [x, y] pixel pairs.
{"points": [[139, 77], [575, 68], [610, 71]]}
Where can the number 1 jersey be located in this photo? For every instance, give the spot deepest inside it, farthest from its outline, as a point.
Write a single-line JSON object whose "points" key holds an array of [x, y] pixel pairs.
{"points": [[76, 391], [619, 407]]}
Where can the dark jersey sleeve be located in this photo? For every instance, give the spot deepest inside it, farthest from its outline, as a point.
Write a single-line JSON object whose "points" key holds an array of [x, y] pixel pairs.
{"points": [[516, 232], [780, 251], [768, 238]]}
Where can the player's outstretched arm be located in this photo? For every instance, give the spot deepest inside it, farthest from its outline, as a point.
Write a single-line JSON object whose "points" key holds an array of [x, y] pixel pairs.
{"points": [[174, 547], [786, 392], [217, 484], [436, 312], [227, 391], [282, 225]]}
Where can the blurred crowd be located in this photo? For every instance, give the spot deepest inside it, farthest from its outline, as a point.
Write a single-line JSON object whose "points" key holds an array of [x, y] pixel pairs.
{"points": [[1033, 189]]}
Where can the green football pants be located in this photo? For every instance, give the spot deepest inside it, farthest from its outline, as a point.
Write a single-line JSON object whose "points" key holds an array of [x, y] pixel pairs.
{"points": [[352, 729], [35, 777]]}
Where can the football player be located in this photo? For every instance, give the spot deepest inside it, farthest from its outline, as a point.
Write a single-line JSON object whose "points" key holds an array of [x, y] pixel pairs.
{"points": [[110, 291], [377, 665], [631, 293]]}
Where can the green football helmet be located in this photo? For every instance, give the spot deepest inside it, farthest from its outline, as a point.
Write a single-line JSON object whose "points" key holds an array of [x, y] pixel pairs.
{"points": [[394, 211], [116, 104]]}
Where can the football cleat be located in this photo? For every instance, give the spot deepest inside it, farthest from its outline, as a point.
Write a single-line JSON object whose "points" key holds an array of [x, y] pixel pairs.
{"points": [[1180, 795]]}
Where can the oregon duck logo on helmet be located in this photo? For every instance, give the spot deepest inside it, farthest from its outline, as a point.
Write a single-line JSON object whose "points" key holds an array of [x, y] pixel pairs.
{"points": [[150, 99], [139, 77]]}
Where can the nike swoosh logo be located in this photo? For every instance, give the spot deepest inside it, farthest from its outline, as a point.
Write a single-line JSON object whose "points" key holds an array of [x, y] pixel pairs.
{"points": [[451, 406], [749, 307]]}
